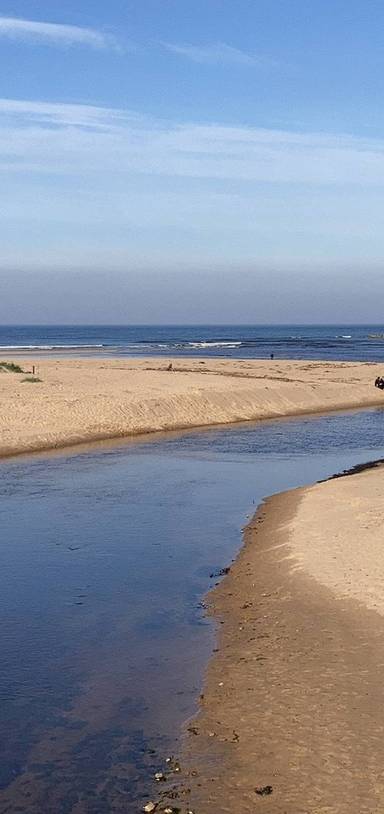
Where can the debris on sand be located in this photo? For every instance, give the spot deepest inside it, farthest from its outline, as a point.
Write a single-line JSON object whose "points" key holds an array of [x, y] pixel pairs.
{"points": [[263, 790], [173, 764], [150, 807], [221, 573]]}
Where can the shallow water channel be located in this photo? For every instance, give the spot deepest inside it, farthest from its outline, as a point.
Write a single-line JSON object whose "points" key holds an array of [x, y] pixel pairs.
{"points": [[105, 556]]}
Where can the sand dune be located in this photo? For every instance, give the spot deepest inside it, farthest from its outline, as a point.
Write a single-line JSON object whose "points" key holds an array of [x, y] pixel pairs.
{"points": [[85, 400]]}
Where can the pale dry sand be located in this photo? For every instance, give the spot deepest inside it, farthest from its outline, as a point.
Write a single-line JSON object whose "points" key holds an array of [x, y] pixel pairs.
{"points": [[293, 702], [337, 536], [87, 400]]}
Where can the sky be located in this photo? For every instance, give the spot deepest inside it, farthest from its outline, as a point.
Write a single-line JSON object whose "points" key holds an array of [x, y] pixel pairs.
{"points": [[223, 149]]}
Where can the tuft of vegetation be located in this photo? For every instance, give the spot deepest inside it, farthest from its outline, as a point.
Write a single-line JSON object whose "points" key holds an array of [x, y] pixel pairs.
{"points": [[31, 379], [10, 367]]}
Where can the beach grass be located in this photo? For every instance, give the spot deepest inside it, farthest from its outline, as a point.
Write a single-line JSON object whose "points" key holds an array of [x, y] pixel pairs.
{"points": [[10, 367]]}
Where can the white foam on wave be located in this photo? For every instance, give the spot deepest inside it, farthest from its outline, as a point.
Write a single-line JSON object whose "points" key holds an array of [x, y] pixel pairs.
{"points": [[214, 344], [48, 347]]}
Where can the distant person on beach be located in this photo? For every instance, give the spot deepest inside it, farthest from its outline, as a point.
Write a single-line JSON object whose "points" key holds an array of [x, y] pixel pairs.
{"points": [[379, 382], [272, 355]]}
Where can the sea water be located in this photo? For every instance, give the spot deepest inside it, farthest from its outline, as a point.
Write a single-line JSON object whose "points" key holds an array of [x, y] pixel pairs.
{"points": [[343, 342]]}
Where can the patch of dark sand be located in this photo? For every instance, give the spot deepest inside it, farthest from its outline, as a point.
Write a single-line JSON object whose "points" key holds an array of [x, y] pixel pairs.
{"points": [[292, 714]]}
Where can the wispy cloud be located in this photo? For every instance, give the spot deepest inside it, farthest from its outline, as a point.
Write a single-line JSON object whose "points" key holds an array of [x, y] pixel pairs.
{"points": [[81, 182], [69, 138], [24, 112], [54, 33], [218, 53]]}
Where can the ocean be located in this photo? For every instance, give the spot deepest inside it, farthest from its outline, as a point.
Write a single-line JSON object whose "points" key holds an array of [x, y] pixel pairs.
{"points": [[342, 342]]}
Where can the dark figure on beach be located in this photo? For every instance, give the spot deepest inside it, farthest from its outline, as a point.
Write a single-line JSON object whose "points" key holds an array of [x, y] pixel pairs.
{"points": [[170, 366], [272, 355], [379, 382]]}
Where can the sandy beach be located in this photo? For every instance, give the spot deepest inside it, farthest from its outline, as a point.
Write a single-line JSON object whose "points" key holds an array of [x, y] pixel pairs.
{"points": [[87, 400], [292, 715]]}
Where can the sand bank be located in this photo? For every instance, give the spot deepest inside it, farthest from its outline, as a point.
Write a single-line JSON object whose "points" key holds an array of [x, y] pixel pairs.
{"points": [[88, 400], [292, 716]]}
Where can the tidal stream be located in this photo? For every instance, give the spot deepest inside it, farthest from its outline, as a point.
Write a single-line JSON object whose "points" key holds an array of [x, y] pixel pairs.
{"points": [[106, 555]]}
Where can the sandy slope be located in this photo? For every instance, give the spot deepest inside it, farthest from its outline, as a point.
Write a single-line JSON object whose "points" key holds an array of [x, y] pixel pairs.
{"points": [[293, 701], [337, 536], [83, 400]]}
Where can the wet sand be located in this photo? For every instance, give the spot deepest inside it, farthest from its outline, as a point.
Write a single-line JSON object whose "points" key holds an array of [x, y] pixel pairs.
{"points": [[78, 401], [292, 714]]}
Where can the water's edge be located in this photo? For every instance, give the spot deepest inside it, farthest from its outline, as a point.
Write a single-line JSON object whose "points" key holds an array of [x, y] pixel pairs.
{"points": [[91, 441]]}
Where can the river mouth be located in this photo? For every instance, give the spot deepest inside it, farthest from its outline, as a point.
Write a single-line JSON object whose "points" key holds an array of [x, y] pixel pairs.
{"points": [[105, 560]]}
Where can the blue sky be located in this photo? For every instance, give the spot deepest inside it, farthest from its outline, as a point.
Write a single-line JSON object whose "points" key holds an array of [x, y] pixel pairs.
{"points": [[184, 135]]}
